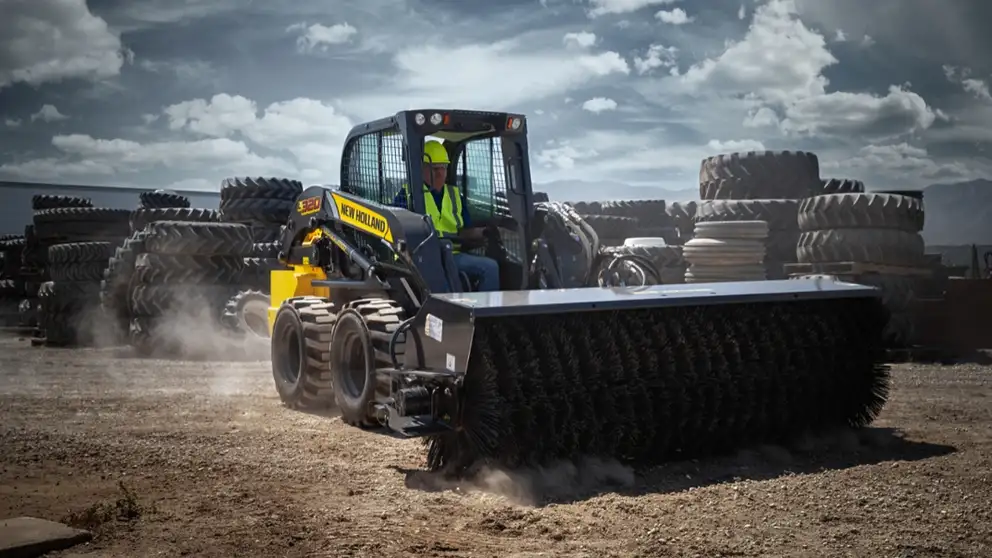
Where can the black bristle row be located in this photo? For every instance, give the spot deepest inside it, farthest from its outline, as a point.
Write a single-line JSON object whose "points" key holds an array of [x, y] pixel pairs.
{"points": [[649, 386]]}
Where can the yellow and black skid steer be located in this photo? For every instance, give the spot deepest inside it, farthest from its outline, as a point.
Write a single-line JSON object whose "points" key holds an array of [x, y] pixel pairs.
{"points": [[373, 316]]}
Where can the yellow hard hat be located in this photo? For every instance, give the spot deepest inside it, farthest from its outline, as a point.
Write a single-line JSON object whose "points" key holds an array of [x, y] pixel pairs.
{"points": [[435, 153]]}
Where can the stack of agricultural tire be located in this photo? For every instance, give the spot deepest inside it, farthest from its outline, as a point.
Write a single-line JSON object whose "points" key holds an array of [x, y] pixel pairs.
{"points": [[726, 251], [73, 241], [640, 228], [840, 186], [764, 186], [683, 216], [187, 273], [616, 221], [162, 199], [116, 289], [881, 229], [12, 285], [70, 301], [33, 258], [264, 204]]}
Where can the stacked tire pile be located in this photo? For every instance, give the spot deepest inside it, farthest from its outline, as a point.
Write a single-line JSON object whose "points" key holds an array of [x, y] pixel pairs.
{"points": [[882, 229], [840, 186], [263, 204], [640, 228], [33, 259], [181, 283], [727, 251], [75, 241], [760, 186], [13, 289], [116, 288]]}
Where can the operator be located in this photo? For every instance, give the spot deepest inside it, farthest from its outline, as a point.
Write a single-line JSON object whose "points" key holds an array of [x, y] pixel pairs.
{"points": [[444, 205]]}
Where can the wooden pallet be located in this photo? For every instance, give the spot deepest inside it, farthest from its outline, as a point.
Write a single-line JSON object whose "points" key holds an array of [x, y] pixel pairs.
{"points": [[853, 269]]}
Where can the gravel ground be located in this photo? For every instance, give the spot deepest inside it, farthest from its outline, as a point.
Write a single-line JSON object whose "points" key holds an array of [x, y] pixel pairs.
{"points": [[182, 458]]}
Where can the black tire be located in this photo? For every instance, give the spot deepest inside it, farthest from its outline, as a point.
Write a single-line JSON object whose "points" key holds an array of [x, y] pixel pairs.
{"points": [[841, 186], [77, 271], [649, 213], [610, 227], [247, 313], [271, 188], [78, 252], [141, 217], [43, 201], [353, 368], [300, 352], [877, 246], [867, 211], [81, 223], [256, 210], [265, 250], [198, 239], [779, 214], [759, 175], [161, 269], [257, 272], [162, 200], [179, 298]]}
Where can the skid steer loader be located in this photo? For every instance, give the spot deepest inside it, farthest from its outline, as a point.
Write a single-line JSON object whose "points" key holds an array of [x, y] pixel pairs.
{"points": [[374, 318]]}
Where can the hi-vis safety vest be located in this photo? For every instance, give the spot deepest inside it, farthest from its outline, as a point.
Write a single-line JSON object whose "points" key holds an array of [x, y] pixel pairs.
{"points": [[448, 218]]}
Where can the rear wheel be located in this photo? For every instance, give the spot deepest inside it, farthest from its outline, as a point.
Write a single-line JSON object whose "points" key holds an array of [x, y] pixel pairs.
{"points": [[301, 338]]}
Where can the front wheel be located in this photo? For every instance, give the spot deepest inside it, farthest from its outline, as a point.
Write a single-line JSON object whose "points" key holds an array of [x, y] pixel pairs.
{"points": [[301, 337]]}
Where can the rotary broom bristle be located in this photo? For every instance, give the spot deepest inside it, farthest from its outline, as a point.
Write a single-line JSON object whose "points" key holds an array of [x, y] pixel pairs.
{"points": [[648, 386]]}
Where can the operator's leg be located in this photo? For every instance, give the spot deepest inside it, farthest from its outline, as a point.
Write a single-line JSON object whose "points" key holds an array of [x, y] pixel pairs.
{"points": [[486, 270]]}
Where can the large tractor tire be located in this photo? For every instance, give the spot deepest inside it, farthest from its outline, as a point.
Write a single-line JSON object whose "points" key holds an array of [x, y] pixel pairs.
{"points": [[300, 347]]}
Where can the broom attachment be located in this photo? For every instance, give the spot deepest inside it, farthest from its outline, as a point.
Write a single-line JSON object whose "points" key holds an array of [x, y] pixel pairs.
{"points": [[649, 385]]}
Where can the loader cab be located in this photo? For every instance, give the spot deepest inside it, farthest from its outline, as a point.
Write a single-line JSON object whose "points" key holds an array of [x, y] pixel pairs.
{"points": [[489, 164]]}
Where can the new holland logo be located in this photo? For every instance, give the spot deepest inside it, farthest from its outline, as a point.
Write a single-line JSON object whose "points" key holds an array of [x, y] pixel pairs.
{"points": [[364, 219]]}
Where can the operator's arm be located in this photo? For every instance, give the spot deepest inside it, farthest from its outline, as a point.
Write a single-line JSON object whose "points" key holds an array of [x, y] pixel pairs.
{"points": [[399, 200], [468, 231]]}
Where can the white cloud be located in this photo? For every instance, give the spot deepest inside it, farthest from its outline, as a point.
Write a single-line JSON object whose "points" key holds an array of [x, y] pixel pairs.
{"points": [[911, 165], [674, 17], [840, 36], [657, 56], [312, 131], [795, 87], [466, 78], [53, 40], [741, 12], [86, 156], [608, 154], [321, 37], [604, 7], [599, 104], [583, 39], [962, 76], [48, 113], [12, 122], [187, 71]]}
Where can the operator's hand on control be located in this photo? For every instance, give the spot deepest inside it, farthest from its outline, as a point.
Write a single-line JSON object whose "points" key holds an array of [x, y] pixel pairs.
{"points": [[472, 234], [472, 238]]}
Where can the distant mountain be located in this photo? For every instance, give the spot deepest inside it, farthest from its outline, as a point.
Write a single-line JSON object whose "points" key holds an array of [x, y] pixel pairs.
{"points": [[579, 190], [959, 213]]}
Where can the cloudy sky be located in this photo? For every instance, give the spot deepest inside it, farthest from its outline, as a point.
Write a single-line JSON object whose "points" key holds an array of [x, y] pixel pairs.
{"points": [[181, 93]]}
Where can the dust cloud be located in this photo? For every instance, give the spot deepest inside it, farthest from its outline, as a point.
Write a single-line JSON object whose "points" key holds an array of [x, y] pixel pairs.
{"points": [[534, 486]]}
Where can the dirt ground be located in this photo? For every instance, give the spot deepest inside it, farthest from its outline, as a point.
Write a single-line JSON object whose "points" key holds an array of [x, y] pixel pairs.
{"points": [[167, 458]]}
